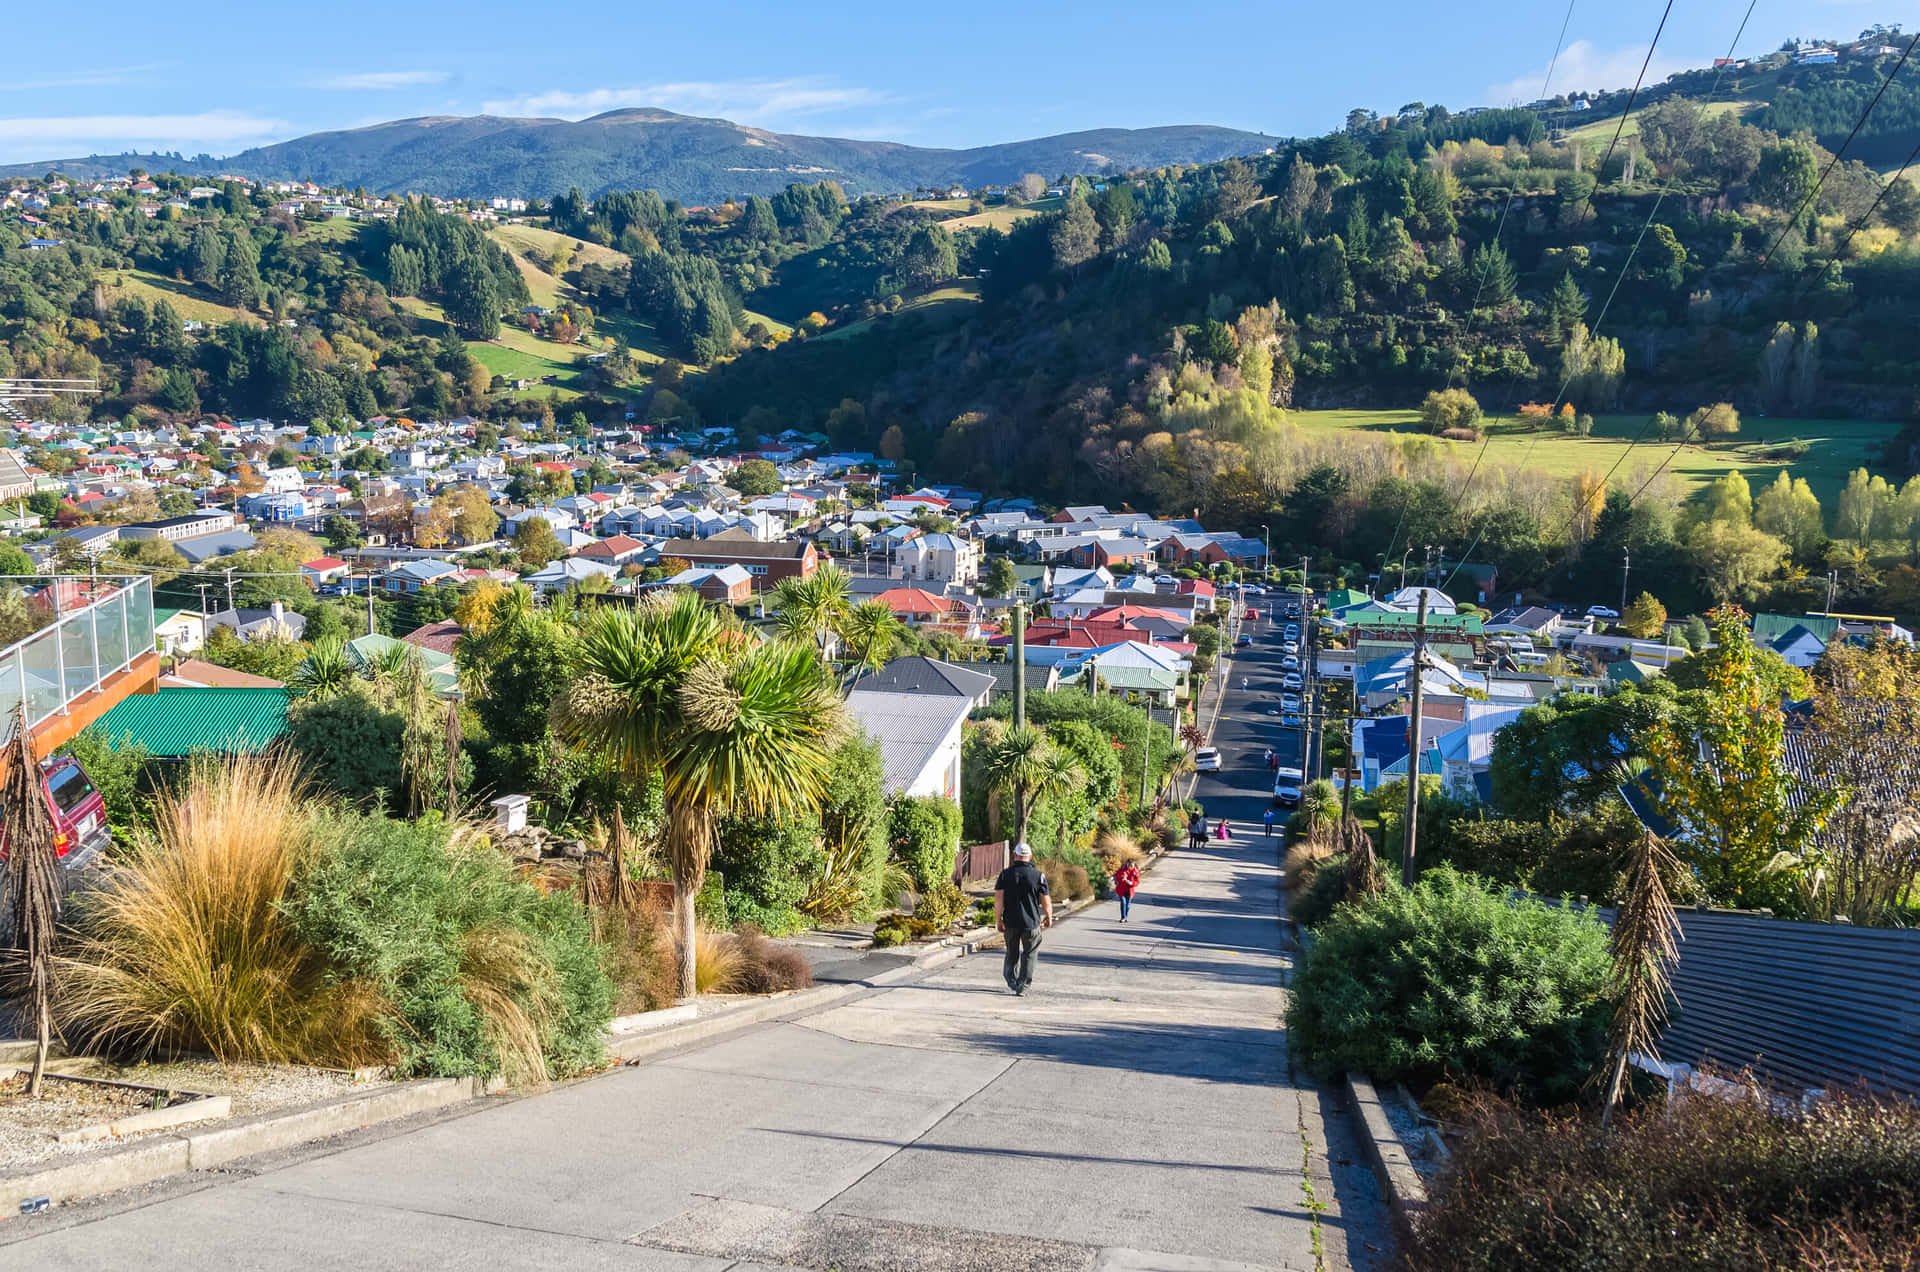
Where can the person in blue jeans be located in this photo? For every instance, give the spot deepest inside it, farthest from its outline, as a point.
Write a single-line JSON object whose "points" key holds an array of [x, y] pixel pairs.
{"points": [[1125, 880]]}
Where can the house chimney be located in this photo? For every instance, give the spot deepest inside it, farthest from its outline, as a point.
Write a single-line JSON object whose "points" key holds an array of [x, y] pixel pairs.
{"points": [[279, 612]]}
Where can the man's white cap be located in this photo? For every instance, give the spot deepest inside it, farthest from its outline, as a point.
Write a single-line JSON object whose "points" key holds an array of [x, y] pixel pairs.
{"points": [[1021, 850]]}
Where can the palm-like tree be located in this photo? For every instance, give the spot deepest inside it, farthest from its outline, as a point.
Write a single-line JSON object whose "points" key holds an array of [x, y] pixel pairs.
{"points": [[811, 608], [1026, 763], [868, 631], [674, 685], [326, 671]]}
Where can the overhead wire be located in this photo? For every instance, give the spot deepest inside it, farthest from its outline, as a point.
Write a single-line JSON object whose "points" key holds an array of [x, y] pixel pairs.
{"points": [[1619, 278], [1473, 311]]}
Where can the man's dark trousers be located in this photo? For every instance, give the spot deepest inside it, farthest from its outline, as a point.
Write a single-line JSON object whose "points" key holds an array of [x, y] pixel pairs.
{"points": [[1023, 948]]}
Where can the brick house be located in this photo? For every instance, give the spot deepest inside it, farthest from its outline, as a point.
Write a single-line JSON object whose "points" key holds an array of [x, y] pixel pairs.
{"points": [[766, 563]]}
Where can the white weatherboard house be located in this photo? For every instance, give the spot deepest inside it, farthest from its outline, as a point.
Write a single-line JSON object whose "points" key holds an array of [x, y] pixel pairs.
{"points": [[919, 737]]}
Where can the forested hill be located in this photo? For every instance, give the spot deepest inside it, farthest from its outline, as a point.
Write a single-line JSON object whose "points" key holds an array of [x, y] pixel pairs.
{"points": [[693, 160]]}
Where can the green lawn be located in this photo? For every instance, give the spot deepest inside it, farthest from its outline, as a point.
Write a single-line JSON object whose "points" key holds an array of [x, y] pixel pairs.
{"points": [[332, 230], [946, 302], [1600, 131], [1838, 447], [190, 302], [514, 353]]}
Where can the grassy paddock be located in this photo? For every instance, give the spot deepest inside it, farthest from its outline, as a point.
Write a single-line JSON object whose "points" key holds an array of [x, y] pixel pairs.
{"points": [[946, 302], [190, 302], [1837, 447]]}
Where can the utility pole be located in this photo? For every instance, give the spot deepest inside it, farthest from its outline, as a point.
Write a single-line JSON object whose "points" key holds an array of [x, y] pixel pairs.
{"points": [[1833, 578], [203, 609], [1411, 833], [1019, 664], [1626, 565], [1346, 785], [230, 606]]}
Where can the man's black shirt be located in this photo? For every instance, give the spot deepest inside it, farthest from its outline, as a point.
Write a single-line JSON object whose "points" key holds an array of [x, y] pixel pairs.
{"points": [[1023, 885]]}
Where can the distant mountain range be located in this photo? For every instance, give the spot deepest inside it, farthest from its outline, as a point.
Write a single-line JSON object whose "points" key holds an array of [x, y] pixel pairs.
{"points": [[684, 157]]}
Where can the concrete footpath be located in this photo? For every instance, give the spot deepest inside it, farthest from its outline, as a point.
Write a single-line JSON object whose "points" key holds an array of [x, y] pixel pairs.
{"points": [[1135, 1110]]}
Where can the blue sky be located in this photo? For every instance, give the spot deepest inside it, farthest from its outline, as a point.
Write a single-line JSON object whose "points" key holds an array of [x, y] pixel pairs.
{"points": [[219, 77]]}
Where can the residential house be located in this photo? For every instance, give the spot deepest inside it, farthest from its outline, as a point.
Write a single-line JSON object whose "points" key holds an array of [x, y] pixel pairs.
{"points": [[767, 563], [930, 676], [178, 631], [946, 559], [919, 737], [276, 622], [727, 585], [411, 576], [1465, 754], [323, 570], [616, 550], [568, 571]]}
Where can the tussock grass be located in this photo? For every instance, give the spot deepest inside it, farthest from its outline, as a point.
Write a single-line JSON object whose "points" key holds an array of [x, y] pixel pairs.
{"points": [[186, 945]]}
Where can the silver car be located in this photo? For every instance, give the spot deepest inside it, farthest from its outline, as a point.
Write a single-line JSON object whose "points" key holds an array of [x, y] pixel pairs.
{"points": [[1292, 681]]}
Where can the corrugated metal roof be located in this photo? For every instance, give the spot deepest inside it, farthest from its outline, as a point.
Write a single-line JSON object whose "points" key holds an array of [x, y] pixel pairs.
{"points": [[181, 721]]}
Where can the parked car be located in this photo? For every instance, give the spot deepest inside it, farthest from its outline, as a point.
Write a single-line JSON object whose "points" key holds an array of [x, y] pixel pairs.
{"points": [[1290, 702], [1243, 639], [1290, 663], [1291, 720], [1287, 783], [1291, 647], [1292, 681], [80, 830], [1601, 611], [1207, 759]]}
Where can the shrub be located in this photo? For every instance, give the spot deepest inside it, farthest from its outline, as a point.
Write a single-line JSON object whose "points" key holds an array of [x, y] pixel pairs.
{"points": [[716, 961], [638, 958], [1326, 887], [1115, 849], [1065, 880], [895, 929], [766, 968], [1449, 978], [1449, 408], [1698, 1182], [923, 834], [186, 945], [769, 863], [940, 905], [1461, 434], [482, 972]]}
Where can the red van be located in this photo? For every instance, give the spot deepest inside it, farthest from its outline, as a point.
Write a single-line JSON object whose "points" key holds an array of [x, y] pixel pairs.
{"points": [[79, 812]]}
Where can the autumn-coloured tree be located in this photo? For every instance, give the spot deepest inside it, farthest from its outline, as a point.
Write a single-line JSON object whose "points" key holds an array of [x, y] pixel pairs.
{"points": [[1739, 817], [1646, 618], [1589, 497]]}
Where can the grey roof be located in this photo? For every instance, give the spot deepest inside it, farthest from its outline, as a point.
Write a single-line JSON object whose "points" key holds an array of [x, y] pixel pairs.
{"points": [[203, 546], [926, 676], [1040, 678], [908, 726]]}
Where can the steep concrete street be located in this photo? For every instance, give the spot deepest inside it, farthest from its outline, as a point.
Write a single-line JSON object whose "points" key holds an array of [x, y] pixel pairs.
{"points": [[1136, 1110]]}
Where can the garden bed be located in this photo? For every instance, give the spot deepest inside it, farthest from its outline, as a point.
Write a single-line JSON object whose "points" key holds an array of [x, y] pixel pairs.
{"points": [[30, 1130]]}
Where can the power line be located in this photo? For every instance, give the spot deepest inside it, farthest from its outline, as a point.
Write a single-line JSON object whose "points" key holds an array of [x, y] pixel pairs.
{"points": [[1621, 127], [1473, 311], [1858, 124], [1619, 279]]}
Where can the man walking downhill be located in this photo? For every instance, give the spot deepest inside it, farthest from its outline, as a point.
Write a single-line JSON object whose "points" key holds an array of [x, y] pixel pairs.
{"points": [[1021, 907]]}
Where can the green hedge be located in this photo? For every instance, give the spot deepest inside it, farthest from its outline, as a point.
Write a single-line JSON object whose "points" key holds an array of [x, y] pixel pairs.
{"points": [[1449, 978]]}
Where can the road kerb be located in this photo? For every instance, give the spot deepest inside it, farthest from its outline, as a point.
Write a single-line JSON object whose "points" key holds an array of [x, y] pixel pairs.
{"points": [[1405, 1191]]}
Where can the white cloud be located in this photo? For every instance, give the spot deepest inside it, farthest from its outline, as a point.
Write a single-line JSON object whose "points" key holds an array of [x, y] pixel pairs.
{"points": [[380, 81], [29, 140], [1584, 67], [83, 77], [747, 101]]}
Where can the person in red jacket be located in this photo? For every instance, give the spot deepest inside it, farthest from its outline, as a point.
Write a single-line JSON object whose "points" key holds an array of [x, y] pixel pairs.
{"points": [[1125, 880]]}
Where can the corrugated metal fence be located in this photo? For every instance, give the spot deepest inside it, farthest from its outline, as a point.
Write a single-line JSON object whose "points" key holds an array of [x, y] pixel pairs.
{"points": [[1806, 1004]]}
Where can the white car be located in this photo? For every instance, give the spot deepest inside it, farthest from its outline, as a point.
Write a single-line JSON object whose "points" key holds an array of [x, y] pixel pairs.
{"points": [[1287, 782], [1292, 681], [1207, 759], [1601, 611], [1291, 647], [1289, 702], [1290, 663]]}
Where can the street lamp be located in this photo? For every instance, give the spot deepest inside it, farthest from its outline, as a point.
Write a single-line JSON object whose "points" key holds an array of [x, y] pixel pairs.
{"points": [[1403, 566], [1266, 562]]}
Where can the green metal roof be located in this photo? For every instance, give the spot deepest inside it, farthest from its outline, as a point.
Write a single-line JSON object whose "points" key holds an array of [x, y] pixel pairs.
{"points": [[176, 722], [1344, 597], [1390, 620], [1767, 628], [163, 616]]}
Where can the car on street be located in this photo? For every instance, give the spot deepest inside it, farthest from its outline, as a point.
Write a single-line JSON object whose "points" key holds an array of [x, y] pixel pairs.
{"points": [[1286, 786], [1292, 631], [1290, 702], [1291, 647], [1292, 681], [1253, 615], [1290, 663], [1291, 720], [1207, 759], [1243, 640], [1601, 611]]}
